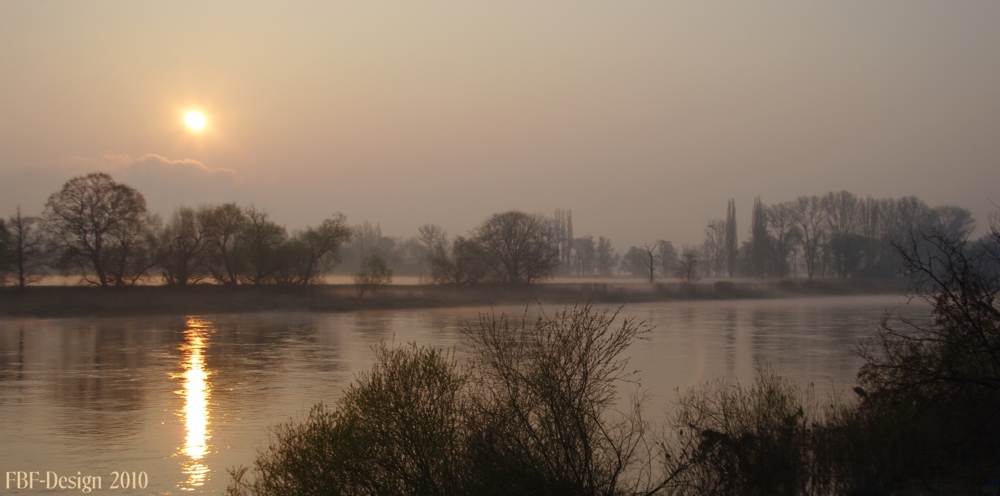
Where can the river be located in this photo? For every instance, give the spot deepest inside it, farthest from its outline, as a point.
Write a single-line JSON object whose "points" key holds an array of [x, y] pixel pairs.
{"points": [[165, 404]]}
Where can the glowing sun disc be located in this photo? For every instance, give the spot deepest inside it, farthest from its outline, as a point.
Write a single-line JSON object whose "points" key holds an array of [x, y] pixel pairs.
{"points": [[195, 120]]}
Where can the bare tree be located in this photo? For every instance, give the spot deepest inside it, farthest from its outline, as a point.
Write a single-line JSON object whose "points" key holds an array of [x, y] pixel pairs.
{"points": [[715, 246], [783, 234], [668, 256], [315, 251], [562, 228], [466, 264], [184, 245], [225, 223], [809, 218], [634, 262], [6, 253], [261, 238], [687, 266], [434, 241], [101, 229], [759, 241], [519, 247], [953, 222], [26, 248], [844, 220], [584, 255], [732, 245], [432, 236], [607, 259], [650, 259], [135, 248]]}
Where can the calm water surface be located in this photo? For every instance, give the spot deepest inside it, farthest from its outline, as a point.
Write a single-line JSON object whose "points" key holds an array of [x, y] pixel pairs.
{"points": [[182, 398]]}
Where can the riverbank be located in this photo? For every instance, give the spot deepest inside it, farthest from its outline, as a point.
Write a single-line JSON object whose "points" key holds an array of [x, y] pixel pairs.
{"points": [[76, 301]]}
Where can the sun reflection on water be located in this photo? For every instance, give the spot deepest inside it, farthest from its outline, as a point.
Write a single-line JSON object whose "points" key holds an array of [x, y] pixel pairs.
{"points": [[195, 412]]}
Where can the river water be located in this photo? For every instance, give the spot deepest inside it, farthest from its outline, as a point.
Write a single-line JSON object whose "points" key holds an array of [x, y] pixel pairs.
{"points": [[171, 402]]}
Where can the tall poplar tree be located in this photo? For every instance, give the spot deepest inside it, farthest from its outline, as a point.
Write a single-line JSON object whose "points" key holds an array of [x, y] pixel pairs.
{"points": [[759, 249], [731, 242]]}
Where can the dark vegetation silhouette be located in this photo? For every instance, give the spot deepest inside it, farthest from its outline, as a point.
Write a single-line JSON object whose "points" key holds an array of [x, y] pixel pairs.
{"points": [[926, 417], [101, 230], [537, 410], [520, 248]]}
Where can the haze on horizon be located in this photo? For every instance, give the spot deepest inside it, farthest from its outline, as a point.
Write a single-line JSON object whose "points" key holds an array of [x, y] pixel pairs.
{"points": [[642, 117]]}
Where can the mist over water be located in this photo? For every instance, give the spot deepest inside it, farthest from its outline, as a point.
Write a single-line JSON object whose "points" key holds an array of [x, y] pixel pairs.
{"points": [[182, 398]]}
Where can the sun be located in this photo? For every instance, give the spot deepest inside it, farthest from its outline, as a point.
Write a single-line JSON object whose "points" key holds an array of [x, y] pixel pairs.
{"points": [[194, 120]]}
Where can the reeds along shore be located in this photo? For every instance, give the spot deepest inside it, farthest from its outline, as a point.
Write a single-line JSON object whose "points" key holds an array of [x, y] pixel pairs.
{"points": [[67, 301]]}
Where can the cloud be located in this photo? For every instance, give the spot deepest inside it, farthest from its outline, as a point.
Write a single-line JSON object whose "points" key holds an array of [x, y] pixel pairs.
{"points": [[152, 165], [166, 183]]}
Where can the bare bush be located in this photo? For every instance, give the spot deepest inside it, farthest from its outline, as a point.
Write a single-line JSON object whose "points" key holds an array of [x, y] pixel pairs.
{"points": [[933, 386], [747, 440], [546, 406], [534, 413]]}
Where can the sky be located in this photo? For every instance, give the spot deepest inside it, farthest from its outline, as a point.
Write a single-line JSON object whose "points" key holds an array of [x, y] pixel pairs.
{"points": [[642, 117]]}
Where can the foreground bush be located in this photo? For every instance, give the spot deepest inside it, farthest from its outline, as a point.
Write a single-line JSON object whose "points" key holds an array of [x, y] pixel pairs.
{"points": [[545, 402], [753, 440], [926, 419], [397, 430], [930, 390], [532, 413]]}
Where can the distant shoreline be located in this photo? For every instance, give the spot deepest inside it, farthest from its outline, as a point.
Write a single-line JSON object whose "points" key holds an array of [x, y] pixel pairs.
{"points": [[79, 301]]}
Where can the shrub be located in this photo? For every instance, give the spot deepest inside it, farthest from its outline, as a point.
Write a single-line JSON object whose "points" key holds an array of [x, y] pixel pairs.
{"points": [[545, 405], [397, 430], [930, 390], [749, 441], [532, 414]]}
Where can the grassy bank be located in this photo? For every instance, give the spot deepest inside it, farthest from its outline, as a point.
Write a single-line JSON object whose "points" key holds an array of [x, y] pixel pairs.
{"points": [[65, 301]]}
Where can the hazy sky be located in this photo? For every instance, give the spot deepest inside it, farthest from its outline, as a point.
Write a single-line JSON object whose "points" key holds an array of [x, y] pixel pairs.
{"points": [[642, 117]]}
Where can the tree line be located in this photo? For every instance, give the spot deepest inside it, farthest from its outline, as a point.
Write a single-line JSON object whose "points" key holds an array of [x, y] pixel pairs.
{"points": [[102, 231], [835, 235]]}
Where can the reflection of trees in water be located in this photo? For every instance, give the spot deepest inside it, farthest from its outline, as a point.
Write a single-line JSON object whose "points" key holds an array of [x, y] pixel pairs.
{"points": [[255, 360], [102, 370], [813, 338], [436, 327], [374, 325], [790, 339], [12, 337], [96, 369], [729, 320], [253, 347]]}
